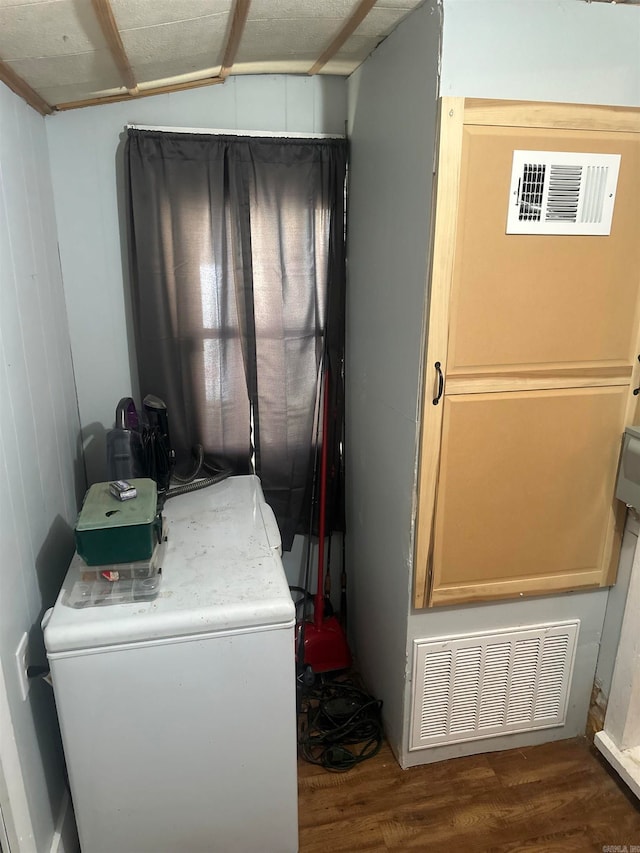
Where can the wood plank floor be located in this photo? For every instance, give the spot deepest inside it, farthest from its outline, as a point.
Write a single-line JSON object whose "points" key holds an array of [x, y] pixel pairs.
{"points": [[556, 797]]}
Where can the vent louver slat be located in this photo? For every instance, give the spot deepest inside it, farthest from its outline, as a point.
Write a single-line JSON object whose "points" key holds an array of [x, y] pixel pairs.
{"points": [[435, 692], [493, 699], [595, 184], [532, 190], [553, 666], [466, 687], [483, 685], [564, 193]]}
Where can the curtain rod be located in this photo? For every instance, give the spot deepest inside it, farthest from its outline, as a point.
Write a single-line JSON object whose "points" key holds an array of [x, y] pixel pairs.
{"points": [[273, 134]]}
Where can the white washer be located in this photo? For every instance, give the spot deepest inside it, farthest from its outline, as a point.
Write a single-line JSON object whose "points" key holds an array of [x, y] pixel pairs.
{"points": [[178, 715]]}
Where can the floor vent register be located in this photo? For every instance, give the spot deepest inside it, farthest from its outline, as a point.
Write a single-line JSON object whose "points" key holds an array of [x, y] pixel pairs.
{"points": [[478, 686]]}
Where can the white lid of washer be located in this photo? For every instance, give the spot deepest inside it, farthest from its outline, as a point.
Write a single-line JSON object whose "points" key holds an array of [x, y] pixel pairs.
{"points": [[221, 572]]}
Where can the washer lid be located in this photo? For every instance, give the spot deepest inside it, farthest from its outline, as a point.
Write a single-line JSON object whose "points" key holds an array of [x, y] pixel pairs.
{"points": [[221, 572]]}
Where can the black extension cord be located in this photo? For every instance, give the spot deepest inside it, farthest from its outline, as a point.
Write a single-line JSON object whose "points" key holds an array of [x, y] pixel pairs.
{"points": [[340, 725]]}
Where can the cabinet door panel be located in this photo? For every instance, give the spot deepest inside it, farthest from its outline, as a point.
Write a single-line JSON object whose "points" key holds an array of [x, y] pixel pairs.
{"points": [[538, 299], [525, 492]]}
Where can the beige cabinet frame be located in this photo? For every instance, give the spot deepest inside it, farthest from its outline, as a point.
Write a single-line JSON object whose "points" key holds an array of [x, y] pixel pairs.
{"points": [[531, 359]]}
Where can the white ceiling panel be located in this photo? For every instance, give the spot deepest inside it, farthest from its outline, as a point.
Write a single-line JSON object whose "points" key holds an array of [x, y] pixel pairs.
{"points": [[380, 22], [285, 39], [95, 71], [194, 45], [295, 9], [6, 4], [404, 5], [133, 14], [357, 49], [53, 28]]}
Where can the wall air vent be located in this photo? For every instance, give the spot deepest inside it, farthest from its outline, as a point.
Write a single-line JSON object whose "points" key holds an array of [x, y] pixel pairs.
{"points": [[557, 192], [483, 685]]}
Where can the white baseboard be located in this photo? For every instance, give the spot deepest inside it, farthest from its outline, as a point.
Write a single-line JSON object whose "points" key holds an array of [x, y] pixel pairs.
{"points": [[624, 761], [65, 836]]}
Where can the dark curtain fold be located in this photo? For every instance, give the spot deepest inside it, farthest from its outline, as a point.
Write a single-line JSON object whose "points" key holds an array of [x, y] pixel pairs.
{"points": [[238, 273]]}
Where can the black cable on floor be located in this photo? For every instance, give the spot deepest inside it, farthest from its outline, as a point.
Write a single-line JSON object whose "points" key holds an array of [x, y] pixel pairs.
{"points": [[340, 725]]}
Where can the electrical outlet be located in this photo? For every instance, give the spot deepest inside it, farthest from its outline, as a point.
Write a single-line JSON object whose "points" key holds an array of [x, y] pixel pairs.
{"points": [[22, 662]]}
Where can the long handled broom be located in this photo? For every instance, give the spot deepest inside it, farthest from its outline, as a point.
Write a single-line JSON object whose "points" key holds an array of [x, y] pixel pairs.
{"points": [[325, 645]]}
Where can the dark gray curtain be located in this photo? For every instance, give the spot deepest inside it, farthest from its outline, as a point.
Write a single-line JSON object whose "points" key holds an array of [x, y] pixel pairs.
{"points": [[237, 259]]}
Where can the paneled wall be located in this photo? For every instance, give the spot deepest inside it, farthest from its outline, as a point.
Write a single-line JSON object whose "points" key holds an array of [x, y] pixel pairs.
{"points": [[41, 473], [542, 50]]}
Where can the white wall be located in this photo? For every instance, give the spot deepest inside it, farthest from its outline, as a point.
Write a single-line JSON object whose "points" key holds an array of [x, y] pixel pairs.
{"points": [[547, 50], [392, 127], [40, 467], [85, 148]]}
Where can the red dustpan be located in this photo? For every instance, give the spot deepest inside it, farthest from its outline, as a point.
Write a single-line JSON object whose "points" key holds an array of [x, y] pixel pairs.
{"points": [[325, 645]]}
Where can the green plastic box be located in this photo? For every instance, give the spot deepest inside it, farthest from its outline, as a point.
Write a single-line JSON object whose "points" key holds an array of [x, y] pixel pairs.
{"points": [[113, 531]]}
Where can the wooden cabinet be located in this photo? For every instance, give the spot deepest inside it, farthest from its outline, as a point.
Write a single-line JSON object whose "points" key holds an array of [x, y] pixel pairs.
{"points": [[530, 364]]}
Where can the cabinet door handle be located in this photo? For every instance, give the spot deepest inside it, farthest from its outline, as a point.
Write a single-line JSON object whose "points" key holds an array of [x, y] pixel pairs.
{"points": [[636, 391], [436, 399]]}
